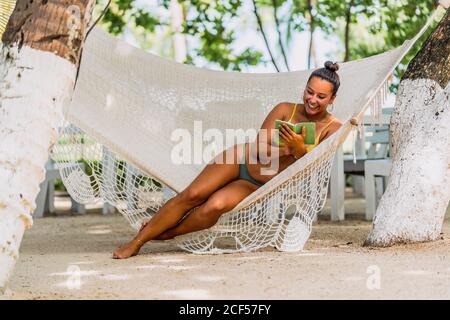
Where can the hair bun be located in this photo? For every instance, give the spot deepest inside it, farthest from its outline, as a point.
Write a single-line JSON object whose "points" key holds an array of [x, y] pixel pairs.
{"points": [[331, 66]]}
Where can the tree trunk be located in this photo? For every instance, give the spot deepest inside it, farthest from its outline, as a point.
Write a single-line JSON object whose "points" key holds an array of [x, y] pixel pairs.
{"points": [[312, 27], [413, 207], [348, 21], [266, 40], [280, 38], [39, 55], [176, 23]]}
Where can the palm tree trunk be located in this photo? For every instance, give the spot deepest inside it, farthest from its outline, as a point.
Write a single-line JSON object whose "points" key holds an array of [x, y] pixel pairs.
{"points": [[39, 56], [413, 207]]}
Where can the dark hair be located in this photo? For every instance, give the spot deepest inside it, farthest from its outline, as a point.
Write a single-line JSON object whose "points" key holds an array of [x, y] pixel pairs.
{"points": [[329, 74]]}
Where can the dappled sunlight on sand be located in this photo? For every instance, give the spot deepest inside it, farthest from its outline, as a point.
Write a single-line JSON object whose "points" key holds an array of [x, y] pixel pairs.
{"points": [[166, 260], [207, 278], [159, 266], [99, 229], [419, 273], [114, 277], [104, 231], [66, 285], [60, 260], [81, 262], [355, 278], [306, 254], [278, 257], [249, 258], [188, 294], [69, 273], [180, 267]]}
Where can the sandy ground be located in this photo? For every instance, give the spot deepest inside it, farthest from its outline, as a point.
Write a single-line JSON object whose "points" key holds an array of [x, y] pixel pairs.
{"points": [[333, 265]]}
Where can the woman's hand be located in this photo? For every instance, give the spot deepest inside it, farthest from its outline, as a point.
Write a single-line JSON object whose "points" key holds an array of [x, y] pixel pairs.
{"points": [[293, 141]]}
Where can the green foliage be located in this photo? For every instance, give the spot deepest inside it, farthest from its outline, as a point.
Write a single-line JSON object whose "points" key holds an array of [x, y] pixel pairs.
{"points": [[376, 26], [209, 22], [206, 23], [122, 13], [402, 23], [210, 25], [59, 185]]}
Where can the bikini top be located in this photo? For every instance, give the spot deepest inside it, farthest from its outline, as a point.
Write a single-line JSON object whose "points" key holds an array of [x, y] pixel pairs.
{"points": [[310, 147]]}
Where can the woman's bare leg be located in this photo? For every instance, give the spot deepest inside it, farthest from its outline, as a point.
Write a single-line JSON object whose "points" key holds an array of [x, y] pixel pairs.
{"points": [[208, 213], [213, 177]]}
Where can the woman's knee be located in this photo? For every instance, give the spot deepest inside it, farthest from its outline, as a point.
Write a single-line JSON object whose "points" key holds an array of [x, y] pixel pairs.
{"points": [[192, 196], [215, 206], [208, 218]]}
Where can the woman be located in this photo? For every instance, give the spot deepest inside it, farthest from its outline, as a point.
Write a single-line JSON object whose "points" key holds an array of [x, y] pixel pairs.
{"points": [[222, 185]]}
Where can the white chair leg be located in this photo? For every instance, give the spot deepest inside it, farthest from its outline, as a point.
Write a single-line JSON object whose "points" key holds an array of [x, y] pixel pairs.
{"points": [[370, 193], [360, 150], [77, 207], [385, 183], [108, 208], [337, 181], [50, 199], [358, 185], [379, 189], [40, 200], [375, 187], [132, 201]]}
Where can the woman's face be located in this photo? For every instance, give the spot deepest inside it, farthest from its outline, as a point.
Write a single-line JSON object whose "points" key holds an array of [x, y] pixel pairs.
{"points": [[317, 96]]}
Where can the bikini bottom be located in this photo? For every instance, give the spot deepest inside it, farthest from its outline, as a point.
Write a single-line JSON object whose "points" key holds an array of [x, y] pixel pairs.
{"points": [[245, 174]]}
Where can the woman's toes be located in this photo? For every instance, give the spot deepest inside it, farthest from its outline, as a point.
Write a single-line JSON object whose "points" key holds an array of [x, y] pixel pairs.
{"points": [[123, 252], [128, 250], [117, 254]]}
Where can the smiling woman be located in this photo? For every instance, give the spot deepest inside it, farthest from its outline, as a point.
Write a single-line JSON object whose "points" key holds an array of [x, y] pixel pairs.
{"points": [[317, 94]]}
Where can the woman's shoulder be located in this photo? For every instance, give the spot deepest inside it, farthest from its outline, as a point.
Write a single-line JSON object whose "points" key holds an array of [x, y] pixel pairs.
{"points": [[334, 124], [285, 105], [335, 121], [332, 127], [284, 108]]}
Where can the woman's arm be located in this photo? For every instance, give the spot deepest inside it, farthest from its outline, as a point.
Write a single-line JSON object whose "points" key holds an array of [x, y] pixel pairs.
{"points": [[264, 144]]}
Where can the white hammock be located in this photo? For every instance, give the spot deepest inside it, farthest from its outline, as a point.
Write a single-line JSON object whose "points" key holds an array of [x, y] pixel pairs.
{"points": [[127, 103]]}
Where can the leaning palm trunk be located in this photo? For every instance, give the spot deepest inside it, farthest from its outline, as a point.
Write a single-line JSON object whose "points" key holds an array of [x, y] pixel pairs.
{"points": [[39, 55], [414, 204]]}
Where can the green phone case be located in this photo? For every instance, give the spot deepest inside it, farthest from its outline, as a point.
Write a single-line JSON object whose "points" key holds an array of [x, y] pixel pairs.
{"points": [[297, 128]]}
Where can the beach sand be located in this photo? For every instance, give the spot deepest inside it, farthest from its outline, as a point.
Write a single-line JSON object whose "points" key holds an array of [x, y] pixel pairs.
{"points": [[69, 257]]}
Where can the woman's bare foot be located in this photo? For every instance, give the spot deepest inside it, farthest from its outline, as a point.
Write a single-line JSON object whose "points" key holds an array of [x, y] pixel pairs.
{"points": [[128, 250]]}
